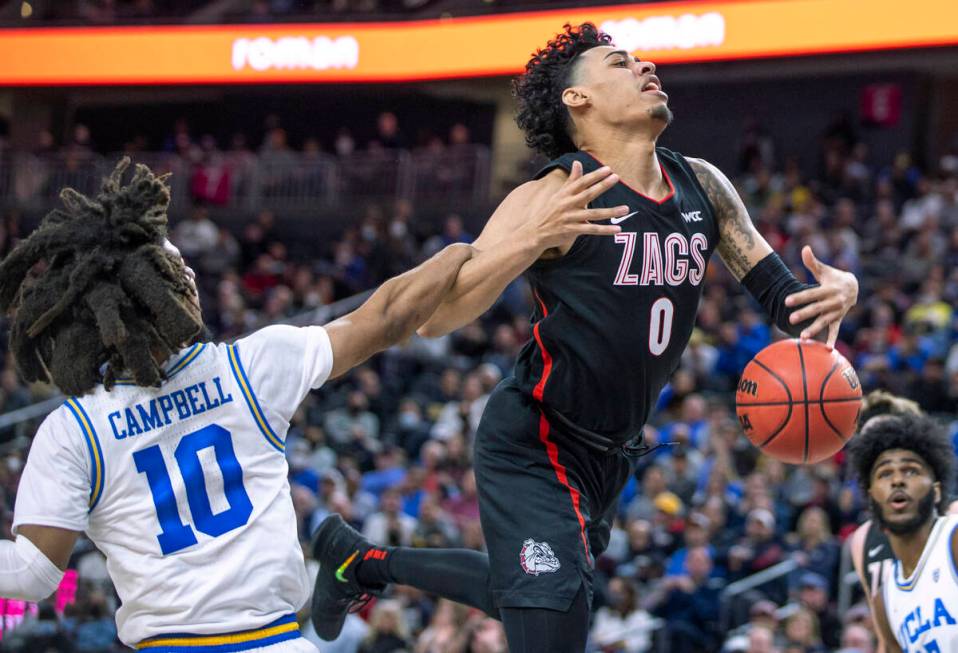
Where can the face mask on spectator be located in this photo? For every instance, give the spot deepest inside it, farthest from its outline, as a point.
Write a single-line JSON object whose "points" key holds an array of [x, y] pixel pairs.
{"points": [[408, 420]]}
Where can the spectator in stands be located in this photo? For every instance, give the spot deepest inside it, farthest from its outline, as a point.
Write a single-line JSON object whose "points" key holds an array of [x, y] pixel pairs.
{"points": [[621, 625], [388, 134], [434, 528], [690, 606], [197, 236], [387, 629], [696, 534], [445, 629], [761, 639], [762, 616], [857, 639], [759, 549], [211, 182], [801, 633], [653, 484], [463, 507], [453, 231], [813, 596], [390, 526], [277, 161], [94, 629], [816, 548], [488, 636], [645, 554]]}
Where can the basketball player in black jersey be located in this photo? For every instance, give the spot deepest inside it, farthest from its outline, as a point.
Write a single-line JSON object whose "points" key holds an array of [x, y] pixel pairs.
{"points": [[613, 315]]}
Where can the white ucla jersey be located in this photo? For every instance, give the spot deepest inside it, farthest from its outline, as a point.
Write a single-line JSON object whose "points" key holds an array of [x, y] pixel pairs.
{"points": [[184, 487], [923, 610]]}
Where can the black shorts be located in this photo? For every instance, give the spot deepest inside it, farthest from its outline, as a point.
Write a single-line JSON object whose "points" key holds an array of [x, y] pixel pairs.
{"points": [[546, 503]]}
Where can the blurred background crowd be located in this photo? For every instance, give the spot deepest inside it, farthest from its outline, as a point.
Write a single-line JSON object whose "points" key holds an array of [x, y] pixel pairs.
{"points": [[292, 201], [389, 445]]}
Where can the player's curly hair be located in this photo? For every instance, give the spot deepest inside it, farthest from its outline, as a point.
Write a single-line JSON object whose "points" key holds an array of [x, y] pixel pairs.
{"points": [[538, 91], [916, 433], [93, 285]]}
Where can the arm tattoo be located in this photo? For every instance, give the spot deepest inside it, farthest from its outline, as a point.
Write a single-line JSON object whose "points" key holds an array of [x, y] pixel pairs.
{"points": [[735, 225]]}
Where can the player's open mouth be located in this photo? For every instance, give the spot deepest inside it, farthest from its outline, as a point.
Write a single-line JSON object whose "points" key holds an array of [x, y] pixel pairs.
{"points": [[653, 86], [899, 501]]}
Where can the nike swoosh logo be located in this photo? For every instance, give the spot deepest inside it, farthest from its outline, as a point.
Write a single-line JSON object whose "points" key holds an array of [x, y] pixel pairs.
{"points": [[623, 218], [873, 552], [342, 568]]}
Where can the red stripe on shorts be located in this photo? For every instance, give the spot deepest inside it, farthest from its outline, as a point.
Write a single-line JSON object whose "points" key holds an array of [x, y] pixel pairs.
{"points": [[559, 468]]}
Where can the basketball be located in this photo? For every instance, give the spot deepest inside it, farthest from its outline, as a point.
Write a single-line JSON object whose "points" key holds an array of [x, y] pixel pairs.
{"points": [[798, 401]]}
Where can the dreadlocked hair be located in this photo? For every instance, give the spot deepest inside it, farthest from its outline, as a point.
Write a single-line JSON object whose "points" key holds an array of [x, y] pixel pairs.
{"points": [[93, 285], [541, 114], [912, 432]]}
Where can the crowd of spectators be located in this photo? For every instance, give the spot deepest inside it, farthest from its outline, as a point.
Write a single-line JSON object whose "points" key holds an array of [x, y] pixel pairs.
{"points": [[389, 446], [266, 167]]}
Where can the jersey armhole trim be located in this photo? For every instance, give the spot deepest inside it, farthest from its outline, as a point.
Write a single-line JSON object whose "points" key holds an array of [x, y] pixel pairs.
{"points": [[252, 403], [97, 464], [951, 554]]}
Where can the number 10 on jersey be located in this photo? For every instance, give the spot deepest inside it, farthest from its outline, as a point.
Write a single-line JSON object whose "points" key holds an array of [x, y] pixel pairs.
{"points": [[174, 534]]}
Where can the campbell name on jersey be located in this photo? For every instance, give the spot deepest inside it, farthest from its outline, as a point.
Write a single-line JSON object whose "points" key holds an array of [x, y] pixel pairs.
{"points": [[613, 316], [922, 609], [184, 487]]}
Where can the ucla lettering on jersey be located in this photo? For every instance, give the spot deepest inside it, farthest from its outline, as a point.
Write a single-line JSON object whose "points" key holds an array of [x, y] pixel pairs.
{"points": [[184, 487], [922, 609]]}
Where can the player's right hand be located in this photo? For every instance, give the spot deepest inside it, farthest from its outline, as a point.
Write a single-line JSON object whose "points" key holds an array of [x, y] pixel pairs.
{"points": [[564, 215]]}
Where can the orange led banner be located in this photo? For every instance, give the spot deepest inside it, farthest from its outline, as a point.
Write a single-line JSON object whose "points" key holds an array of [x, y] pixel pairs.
{"points": [[672, 32]]}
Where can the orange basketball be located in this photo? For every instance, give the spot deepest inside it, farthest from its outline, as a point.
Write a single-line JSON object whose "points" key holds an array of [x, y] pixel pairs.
{"points": [[798, 401]]}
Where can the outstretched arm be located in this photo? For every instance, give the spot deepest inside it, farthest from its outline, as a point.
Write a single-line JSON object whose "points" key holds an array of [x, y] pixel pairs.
{"points": [[797, 309], [32, 566], [539, 218], [395, 310]]}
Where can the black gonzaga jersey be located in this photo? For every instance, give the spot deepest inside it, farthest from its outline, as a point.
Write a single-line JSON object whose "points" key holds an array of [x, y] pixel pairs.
{"points": [[614, 314]]}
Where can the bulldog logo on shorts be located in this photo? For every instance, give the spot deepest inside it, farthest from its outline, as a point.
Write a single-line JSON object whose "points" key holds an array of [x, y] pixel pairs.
{"points": [[537, 558]]}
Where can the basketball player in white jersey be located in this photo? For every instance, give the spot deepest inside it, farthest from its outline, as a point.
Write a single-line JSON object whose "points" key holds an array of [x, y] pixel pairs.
{"points": [[169, 453], [868, 545], [905, 463]]}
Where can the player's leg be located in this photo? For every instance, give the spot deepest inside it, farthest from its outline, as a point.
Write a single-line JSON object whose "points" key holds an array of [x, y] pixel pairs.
{"points": [[460, 575], [540, 630], [535, 498], [351, 567]]}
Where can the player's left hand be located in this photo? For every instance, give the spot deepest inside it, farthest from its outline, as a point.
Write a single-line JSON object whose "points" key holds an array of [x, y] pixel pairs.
{"points": [[836, 293]]}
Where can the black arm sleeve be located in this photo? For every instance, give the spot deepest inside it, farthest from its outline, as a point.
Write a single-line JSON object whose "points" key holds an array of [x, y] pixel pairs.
{"points": [[770, 282]]}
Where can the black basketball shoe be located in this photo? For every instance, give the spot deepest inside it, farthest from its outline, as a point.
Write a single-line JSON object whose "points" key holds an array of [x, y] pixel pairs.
{"points": [[339, 549]]}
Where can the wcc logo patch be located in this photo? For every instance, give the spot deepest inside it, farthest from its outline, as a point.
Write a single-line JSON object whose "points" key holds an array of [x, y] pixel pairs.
{"points": [[537, 558]]}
